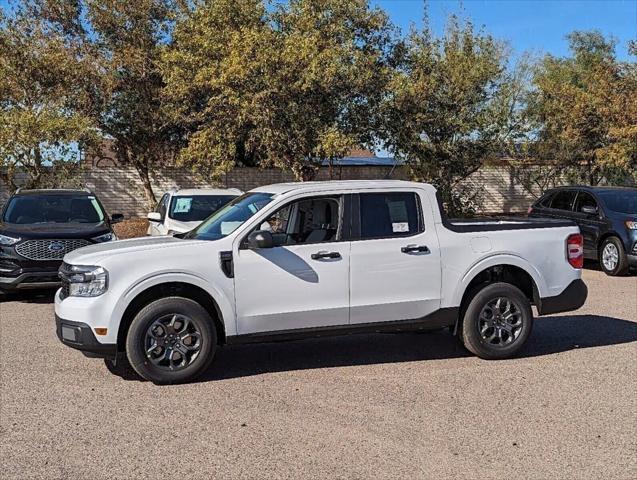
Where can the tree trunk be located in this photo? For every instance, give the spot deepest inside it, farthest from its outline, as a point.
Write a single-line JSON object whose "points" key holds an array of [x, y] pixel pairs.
{"points": [[144, 176]]}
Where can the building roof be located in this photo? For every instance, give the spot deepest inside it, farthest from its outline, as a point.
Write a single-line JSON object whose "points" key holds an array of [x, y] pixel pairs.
{"points": [[365, 160], [321, 186]]}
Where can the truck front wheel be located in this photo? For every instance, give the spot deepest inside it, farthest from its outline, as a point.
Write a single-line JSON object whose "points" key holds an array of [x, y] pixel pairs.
{"points": [[497, 322], [171, 340]]}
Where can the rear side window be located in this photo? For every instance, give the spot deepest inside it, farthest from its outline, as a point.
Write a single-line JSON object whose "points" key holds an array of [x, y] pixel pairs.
{"points": [[386, 215], [563, 200], [545, 201]]}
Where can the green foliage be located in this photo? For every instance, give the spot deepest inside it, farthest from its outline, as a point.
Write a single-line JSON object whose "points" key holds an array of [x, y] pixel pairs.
{"points": [[115, 46], [39, 127], [444, 111], [283, 87], [584, 109]]}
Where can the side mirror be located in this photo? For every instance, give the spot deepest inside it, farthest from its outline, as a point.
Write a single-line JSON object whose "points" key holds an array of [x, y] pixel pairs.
{"points": [[117, 217], [260, 239], [154, 216], [589, 210]]}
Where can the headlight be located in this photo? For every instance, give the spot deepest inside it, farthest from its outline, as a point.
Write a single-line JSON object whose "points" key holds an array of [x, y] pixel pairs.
{"points": [[85, 281], [4, 240], [107, 237], [631, 224]]}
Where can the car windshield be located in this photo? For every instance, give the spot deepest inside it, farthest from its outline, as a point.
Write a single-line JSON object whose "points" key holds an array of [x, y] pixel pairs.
{"points": [[195, 208], [232, 216], [52, 208], [621, 201]]}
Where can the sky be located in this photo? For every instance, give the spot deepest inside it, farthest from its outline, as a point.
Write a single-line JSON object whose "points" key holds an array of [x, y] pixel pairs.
{"points": [[537, 26]]}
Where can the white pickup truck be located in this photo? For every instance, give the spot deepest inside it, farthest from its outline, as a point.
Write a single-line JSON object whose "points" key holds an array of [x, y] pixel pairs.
{"points": [[300, 260]]}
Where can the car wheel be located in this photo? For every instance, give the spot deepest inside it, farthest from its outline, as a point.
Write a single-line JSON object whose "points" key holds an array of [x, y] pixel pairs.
{"points": [[171, 340], [497, 322], [612, 258]]}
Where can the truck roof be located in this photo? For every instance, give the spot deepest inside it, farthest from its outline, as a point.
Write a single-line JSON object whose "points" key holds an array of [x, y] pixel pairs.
{"points": [[52, 191], [281, 188]]}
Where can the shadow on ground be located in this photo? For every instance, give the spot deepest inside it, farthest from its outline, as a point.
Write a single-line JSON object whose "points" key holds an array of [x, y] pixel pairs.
{"points": [[29, 296], [550, 335]]}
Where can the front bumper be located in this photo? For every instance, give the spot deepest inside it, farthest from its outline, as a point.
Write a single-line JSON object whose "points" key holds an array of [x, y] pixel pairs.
{"points": [[30, 280], [80, 336], [572, 298]]}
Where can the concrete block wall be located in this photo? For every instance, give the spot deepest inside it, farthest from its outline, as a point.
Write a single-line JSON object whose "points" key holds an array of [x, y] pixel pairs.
{"points": [[119, 188]]}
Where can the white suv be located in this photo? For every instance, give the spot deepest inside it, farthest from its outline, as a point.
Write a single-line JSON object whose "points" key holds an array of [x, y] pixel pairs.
{"points": [[180, 211]]}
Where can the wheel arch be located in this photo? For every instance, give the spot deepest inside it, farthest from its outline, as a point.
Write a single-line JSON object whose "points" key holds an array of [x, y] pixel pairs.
{"points": [[147, 292], [498, 271], [605, 237]]}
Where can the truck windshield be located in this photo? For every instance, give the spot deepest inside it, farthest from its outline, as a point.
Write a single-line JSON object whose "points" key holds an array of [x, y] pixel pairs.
{"points": [[230, 217], [195, 208], [51, 208]]}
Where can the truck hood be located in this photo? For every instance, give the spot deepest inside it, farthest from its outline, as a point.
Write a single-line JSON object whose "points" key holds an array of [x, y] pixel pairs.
{"points": [[54, 230], [183, 227], [94, 253]]}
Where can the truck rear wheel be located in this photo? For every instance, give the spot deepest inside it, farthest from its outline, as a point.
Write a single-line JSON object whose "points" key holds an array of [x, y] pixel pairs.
{"points": [[171, 340], [497, 322]]}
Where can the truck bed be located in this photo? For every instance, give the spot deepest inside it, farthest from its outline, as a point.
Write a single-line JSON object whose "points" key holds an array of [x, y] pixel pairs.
{"points": [[467, 225]]}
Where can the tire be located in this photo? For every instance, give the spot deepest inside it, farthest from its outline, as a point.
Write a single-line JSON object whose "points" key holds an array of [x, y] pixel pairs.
{"points": [[612, 258], [497, 337], [185, 339]]}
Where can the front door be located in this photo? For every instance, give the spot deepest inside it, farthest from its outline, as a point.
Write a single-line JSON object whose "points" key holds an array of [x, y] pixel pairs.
{"points": [[303, 281], [587, 217], [395, 262]]}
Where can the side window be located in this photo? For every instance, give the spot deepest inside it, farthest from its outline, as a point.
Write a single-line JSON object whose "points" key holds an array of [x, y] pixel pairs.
{"points": [[311, 220], [386, 215], [162, 206], [585, 200], [545, 201], [563, 200]]}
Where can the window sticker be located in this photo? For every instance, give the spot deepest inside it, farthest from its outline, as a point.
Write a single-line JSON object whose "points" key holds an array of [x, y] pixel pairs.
{"points": [[400, 227], [182, 205]]}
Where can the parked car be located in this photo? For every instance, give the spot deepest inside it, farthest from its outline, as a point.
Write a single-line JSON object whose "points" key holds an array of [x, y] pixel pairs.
{"points": [[180, 211], [301, 260], [39, 227], [607, 218]]}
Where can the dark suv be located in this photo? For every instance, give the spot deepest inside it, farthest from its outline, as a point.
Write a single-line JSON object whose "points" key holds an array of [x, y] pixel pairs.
{"points": [[607, 218], [39, 227]]}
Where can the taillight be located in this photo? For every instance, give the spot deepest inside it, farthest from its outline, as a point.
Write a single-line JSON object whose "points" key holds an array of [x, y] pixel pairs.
{"points": [[529, 211], [575, 250]]}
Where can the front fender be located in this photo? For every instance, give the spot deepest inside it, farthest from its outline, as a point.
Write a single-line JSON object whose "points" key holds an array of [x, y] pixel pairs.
{"points": [[492, 261], [220, 298]]}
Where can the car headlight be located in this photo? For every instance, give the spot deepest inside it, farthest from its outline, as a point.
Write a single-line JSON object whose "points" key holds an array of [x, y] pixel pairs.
{"points": [[4, 240], [631, 224], [107, 237], [85, 281]]}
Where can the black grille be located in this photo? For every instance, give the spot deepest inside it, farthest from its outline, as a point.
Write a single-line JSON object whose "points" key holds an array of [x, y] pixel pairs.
{"points": [[63, 273], [49, 249]]}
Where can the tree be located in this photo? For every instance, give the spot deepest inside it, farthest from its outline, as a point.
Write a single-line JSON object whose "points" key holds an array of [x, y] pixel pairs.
{"points": [[116, 46], [40, 131], [585, 110], [285, 87], [444, 114]]}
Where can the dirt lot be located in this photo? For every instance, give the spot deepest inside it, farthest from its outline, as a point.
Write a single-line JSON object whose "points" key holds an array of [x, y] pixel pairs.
{"points": [[377, 406]]}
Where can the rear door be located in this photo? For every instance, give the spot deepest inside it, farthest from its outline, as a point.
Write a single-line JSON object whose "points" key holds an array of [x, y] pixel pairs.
{"points": [[395, 257], [590, 224]]}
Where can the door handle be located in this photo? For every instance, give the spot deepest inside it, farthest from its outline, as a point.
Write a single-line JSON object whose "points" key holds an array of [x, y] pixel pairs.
{"points": [[324, 254], [415, 248]]}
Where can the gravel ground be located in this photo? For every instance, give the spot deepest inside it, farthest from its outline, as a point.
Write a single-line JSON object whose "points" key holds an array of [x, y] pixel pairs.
{"points": [[373, 406]]}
